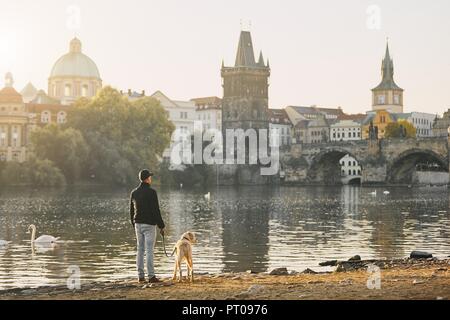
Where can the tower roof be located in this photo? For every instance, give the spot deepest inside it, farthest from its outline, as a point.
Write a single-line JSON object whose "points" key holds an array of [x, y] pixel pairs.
{"points": [[43, 98], [245, 56], [10, 95], [387, 72], [29, 90]]}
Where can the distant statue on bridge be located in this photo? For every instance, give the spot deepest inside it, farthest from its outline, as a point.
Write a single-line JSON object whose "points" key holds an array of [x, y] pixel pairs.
{"points": [[403, 132], [373, 131]]}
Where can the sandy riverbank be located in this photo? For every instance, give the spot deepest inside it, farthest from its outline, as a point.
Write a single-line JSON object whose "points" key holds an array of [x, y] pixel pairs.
{"points": [[401, 279]]}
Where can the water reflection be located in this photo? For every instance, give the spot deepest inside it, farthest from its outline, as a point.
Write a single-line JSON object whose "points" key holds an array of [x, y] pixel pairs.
{"points": [[245, 224], [244, 228]]}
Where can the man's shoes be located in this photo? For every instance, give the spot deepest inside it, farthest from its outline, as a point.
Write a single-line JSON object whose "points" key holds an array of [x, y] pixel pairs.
{"points": [[154, 279], [141, 280]]}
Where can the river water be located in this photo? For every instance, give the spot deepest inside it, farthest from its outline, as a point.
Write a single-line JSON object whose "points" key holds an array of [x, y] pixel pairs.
{"points": [[257, 228]]}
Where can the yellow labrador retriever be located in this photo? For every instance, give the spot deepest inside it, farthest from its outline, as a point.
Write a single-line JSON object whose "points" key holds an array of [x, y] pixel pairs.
{"points": [[183, 249]]}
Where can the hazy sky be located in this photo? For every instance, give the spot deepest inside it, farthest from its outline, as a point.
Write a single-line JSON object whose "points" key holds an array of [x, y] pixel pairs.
{"points": [[321, 52]]}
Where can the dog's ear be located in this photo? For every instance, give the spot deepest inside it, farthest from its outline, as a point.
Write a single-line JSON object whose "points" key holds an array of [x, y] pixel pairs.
{"points": [[191, 235]]}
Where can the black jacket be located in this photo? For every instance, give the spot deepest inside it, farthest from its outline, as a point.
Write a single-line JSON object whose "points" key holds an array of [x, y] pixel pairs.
{"points": [[144, 206]]}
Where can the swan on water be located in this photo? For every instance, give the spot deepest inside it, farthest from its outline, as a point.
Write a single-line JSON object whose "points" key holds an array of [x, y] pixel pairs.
{"points": [[374, 193], [44, 239], [386, 192], [208, 196]]}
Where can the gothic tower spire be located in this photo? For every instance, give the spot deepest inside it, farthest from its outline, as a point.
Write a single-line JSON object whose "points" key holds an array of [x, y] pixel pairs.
{"points": [[387, 95], [245, 56]]}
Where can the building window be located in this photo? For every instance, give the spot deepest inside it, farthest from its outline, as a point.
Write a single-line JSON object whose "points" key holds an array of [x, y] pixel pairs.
{"points": [[15, 137], [381, 99], [183, 115], [396, 99], [61, 117], [45, 117], [84, 90], [67, 90], [2, 137]]}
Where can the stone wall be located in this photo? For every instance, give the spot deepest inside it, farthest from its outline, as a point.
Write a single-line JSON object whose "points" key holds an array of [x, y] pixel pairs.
{"points": [[431, 178]]}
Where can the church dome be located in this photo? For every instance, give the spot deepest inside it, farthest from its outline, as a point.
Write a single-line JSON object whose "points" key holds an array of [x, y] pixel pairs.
{"points": [[75, 64]]}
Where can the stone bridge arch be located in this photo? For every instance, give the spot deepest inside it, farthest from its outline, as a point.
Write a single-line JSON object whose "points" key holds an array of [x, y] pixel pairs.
{"points": [[402, 168], [324, 167]]}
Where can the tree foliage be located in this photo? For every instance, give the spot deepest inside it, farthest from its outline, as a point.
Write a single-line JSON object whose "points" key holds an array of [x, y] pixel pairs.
{"points": [[34, 172], [123, 136], [66, 148], [400, 129]]}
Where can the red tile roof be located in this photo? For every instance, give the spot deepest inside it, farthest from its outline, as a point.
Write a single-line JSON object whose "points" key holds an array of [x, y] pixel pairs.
{"points": [[9, 94]]}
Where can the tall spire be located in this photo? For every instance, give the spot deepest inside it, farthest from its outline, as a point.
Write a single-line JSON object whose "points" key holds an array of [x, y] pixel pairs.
{"points": [[387, 67], [387, 72], [245, 56], [261, 60]]}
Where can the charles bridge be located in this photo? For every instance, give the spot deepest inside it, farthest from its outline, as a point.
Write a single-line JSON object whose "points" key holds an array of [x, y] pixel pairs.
{"points": [[392, 161]]}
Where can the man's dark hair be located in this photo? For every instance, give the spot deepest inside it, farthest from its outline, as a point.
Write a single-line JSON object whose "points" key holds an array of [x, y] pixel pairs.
{"points": [[144, 174]]}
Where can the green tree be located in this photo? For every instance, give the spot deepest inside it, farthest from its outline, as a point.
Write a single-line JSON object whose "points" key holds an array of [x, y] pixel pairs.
{"points": [[400, 129], [44, 173], [35, 172], [123, 136], [14, 173], [66, 148]]}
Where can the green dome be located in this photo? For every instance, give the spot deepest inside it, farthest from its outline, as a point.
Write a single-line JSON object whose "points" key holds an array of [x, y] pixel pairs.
{"points": [[75, 64]]}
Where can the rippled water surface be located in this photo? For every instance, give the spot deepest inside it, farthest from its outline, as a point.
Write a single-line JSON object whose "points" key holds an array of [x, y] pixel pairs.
{"points": [[256, 228]]}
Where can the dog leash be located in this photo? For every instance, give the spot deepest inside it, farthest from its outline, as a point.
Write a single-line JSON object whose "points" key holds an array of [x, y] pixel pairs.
{"points": [[164, 246]]}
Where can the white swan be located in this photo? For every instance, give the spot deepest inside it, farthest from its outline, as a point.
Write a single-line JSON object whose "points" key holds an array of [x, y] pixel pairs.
{"points": [[208, 196], [44, 239], [386, 192], [374, 193]]}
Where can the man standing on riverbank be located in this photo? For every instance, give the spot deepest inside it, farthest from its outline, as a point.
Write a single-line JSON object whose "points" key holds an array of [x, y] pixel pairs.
{"points": [[145, 216]]}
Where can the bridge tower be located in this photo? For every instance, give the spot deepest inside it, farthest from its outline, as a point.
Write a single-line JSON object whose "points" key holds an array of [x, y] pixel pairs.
{"points": [[245, 103]]}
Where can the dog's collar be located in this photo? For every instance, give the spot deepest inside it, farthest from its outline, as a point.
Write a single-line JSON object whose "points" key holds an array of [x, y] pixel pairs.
{"points": [[187, 239]]}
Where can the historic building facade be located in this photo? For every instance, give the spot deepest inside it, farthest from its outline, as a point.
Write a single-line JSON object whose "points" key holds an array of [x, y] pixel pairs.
{"points": [[345, 130], [387, 95], [44, 110], [182, 115], [208, 110], [74, 75], [18, 119], [423, 122], [14, 123], [379, 120], [441, 125], [280, 127]]}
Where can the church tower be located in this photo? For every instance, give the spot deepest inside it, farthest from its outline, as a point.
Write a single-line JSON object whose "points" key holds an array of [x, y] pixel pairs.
{"points": [[245, 101], [387, 95]]}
